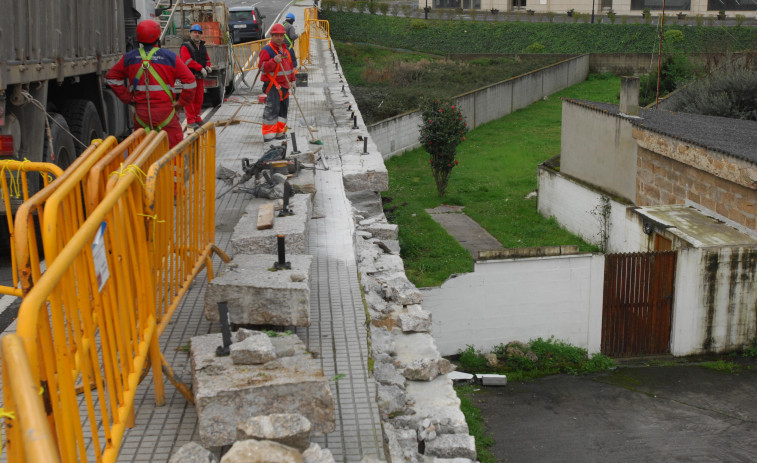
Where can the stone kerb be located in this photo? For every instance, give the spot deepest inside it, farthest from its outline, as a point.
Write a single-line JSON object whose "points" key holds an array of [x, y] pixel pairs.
{"points": [[257, 294], [227, 394], [247, 239]]}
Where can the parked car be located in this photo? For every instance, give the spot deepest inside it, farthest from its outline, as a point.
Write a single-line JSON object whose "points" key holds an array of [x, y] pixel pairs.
{"points": [[246, 23]]}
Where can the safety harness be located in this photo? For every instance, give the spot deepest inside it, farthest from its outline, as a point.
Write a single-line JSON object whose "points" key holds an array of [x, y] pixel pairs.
{"points": [[147, 64], [273, 76]]}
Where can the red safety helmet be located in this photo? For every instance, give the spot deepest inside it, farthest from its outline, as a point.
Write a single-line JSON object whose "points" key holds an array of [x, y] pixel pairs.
{"points": [[148, 31], [278, 29]]}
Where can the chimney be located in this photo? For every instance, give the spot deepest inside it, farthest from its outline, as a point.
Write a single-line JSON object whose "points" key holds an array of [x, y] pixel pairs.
{"points": [[629, 96]]}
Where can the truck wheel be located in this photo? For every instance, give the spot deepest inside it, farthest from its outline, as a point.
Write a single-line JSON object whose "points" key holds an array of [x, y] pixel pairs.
{"points": [[230, 88], [63, 153], [84, 121]]}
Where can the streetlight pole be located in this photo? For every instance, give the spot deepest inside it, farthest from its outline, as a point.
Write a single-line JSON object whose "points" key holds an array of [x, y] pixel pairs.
{"points": [[592, 11], [425, 10]]}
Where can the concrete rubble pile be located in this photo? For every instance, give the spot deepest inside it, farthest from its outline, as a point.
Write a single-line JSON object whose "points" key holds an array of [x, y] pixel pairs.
{"points": [[262, 376], [420, 411]]}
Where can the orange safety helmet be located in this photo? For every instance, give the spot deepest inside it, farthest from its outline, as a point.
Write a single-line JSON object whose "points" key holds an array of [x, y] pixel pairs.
{"points": [[278, 29], [148, 31]]}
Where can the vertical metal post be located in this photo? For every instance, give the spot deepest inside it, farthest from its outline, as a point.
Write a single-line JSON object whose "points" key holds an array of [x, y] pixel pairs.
{"points": [[365, 145], [354, 121], [294, 144], [223, 312], [281, 263]]}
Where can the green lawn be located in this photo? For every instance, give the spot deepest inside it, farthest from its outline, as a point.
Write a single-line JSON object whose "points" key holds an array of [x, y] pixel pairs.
{"points": [[497, 170]]}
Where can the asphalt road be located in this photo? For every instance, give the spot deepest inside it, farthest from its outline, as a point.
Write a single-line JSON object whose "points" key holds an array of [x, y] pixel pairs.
{"points": [[653, 414]]}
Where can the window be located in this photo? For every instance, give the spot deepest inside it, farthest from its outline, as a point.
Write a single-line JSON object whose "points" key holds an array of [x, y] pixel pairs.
{"points": [[519, 4], [240, 15], [670, 5], [738, 5]]}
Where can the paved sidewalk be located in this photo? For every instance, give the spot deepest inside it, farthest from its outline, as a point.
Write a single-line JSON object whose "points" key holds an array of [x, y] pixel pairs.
{"points": [[338, 331]]}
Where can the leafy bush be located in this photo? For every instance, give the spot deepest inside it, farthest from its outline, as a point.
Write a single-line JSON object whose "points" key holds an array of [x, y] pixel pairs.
{"points": [[472, 359], [418, 24], [725, 93], [443, 128], [676, 71], [547, 356], [383, 8], [535, 47]]}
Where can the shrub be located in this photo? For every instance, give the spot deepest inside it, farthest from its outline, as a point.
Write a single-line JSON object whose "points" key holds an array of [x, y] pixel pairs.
{"points": [[611, 15], [418, 24], [699, 19], [725, 93], [362, 6], [443, 128], [372, 7], [576, 16], [751, 350], [551, 16], [383, 8], [535, 47], [472, 359], [675, 72], [407, 10], [740, 18]]}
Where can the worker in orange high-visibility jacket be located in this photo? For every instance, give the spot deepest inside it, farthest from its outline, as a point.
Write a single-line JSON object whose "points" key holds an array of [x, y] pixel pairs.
{"points": [[194, 54], [144, 78], [278, 78]]}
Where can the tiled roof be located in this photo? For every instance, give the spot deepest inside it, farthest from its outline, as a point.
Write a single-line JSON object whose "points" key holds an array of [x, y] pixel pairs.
{"points": [[734, 137]]}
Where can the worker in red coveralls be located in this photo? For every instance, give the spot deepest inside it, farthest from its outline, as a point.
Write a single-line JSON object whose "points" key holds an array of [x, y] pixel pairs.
{"points": [[278, 77], [150, 71], [194, 54]]}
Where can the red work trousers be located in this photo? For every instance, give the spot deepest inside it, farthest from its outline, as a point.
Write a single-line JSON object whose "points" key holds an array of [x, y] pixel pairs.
{"points": [[193, 109], [156, 116]]}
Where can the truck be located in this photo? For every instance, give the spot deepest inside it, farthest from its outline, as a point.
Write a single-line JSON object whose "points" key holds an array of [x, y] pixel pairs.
{"points": [[53, 61], [214, 19]]}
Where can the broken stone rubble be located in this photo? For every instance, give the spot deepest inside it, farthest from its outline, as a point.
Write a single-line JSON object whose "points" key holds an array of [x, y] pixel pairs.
{"points": [[290, 429], [227, 394]]}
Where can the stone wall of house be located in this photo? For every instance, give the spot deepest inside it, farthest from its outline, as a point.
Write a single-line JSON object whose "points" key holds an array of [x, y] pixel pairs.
{"points": [[663, 180]]}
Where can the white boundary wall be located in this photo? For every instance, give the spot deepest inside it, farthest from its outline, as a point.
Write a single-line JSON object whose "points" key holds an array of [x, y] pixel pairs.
{"points": [[519, 300], [400, 133], [571, 204]]}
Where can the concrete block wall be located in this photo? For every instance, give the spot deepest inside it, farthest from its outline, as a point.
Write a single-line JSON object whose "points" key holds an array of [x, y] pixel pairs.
{"points": [[571, 203], [663, 180], [714, 300], [506, 300], [609, 161], [400, 133]]}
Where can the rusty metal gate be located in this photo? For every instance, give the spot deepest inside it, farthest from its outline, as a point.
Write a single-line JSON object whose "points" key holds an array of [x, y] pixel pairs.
{"points": [[638, 303]]}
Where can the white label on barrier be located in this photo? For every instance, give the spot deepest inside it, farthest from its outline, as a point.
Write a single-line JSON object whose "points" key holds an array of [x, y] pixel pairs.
{"points": [[99, 255]]}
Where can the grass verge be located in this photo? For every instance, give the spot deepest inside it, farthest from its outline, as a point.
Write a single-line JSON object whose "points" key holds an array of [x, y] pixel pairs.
{"points": [[497, 171], [476, 426], [386, 82]]}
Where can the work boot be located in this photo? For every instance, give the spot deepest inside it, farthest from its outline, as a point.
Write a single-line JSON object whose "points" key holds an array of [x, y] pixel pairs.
{"points": [[281, 136]]}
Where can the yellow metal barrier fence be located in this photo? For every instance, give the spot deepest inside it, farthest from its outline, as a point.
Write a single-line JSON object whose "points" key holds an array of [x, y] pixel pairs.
{"points": [[181, 237], [318, 29], [27, 251], [14, 183], [97, 289], [117, 158], [246, 55], [29, 421]]}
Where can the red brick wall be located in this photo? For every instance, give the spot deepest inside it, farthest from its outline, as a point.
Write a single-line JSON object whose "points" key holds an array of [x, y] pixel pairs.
{"points": [[661, 180]]}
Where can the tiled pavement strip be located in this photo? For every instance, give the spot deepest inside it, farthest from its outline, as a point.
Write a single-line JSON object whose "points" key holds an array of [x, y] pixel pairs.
{"points": [[337, 333]]}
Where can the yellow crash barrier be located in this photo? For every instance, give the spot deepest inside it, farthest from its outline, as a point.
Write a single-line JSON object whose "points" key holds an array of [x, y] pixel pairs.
{"points": [[27, 252], [318, 29], [246, 55], [102, 170], [14, 183], [180, 218], [96, 300]]}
